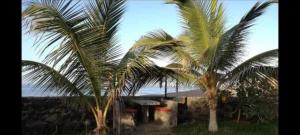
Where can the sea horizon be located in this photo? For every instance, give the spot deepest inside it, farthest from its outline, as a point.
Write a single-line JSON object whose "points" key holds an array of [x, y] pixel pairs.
{"points": [[30, 91]]}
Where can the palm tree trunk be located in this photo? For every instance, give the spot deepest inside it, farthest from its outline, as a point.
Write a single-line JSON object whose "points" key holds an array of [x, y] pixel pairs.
{"points": [[116, 118], [213, 126], [100, 130], [176, 89], [166, 86], [239, 114], [212, 102]]}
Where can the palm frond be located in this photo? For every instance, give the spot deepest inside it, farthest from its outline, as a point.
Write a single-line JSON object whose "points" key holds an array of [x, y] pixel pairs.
{"points": [[157, 39], [48, 79], [157, 44], [133, 65], [73, 70], [58, 21], [230, 48], [216, 20], [254, 64], [152, 76], [259, 72], [99, 39], [102, 24], [105, 13], [196, 20], [136, 68], [53, 20], [89, 35]]}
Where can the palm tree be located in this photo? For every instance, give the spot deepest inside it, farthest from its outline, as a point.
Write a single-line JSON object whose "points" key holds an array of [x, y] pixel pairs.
{"points": [[86, 57], [210, 55]]}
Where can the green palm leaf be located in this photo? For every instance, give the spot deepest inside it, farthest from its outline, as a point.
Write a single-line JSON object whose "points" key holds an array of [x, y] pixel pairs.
{"points": [[48, 79], [256, 64], [231, 45], [86, 35], [204, 22]]}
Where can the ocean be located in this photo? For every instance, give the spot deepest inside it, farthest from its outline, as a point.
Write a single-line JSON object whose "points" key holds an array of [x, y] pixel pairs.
{"points": [[29, 91]]}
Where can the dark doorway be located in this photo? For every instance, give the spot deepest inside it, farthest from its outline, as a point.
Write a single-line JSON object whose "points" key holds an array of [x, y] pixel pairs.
{"points": [[139, 115], [151, 113]]}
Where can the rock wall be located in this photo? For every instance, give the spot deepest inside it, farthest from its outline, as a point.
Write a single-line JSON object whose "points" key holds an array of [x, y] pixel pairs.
{"points": [[192, 109], [47, 115], [196, 109]]}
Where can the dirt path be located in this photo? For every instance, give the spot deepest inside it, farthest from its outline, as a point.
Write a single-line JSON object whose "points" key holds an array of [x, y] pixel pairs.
{"points": [[152, 129]]}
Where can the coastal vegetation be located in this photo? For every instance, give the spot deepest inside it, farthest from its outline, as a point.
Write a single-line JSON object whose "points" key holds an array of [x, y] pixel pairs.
{"points": [[84, 59]]}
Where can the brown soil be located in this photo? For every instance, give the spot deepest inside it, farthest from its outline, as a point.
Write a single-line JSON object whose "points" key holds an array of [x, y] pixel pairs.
{"points": [[152, 129]]}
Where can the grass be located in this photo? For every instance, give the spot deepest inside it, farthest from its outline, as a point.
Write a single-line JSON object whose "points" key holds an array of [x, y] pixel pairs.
{"points": [[228, 128], [225, 128]]}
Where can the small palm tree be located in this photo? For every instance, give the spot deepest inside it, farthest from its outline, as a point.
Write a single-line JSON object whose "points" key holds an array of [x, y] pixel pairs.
{"points": [[210, 55], [86, 56]]}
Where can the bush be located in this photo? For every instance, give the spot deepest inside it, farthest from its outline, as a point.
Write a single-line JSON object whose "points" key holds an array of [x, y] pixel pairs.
{"points": [[228, 128], [255, 100]]}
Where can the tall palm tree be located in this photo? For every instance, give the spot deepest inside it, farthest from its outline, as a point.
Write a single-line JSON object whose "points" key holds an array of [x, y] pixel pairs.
{"points": [[86, 60], [210, 54]]}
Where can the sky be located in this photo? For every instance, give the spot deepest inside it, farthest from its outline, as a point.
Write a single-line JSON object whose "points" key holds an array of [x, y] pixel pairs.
{"points": [[143, 16]]}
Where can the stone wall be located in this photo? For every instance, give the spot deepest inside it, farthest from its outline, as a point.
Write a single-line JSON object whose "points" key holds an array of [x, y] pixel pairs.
{"points": [[47, 115], [192, 109], [196, 109]]}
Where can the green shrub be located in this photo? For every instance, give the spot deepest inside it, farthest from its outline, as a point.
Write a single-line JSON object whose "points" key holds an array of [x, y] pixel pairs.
{"points": [[255, 100], [228, 128]]}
